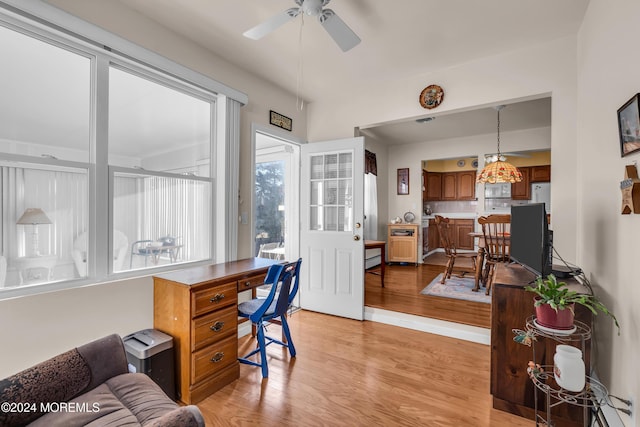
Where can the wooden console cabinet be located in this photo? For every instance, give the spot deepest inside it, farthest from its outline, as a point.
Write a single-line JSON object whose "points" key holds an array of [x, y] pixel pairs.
{"points": [[511, 386], [403, 243], [198, 308]]}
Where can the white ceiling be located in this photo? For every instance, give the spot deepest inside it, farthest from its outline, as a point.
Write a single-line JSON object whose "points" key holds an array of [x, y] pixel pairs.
{"points": [[399, 39]]}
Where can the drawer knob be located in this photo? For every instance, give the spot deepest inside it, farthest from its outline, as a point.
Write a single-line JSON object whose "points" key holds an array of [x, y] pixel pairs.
{"points": [[247, 284], [217, 357], [217, 298], [217, 326]]}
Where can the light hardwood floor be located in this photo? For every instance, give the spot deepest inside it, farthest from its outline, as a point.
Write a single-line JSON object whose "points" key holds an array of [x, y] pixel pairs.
{"points": [[401, 293], [352, 373]]}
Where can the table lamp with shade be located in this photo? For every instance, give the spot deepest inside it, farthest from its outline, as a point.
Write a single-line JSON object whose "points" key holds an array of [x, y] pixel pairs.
{"points": [[34, 217]]}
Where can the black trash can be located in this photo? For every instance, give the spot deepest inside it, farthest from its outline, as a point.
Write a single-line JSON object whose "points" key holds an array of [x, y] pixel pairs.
{"points": [[150, 352]]}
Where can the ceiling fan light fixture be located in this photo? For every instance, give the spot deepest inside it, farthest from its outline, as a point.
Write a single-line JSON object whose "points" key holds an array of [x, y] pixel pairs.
{"points": [[498, 170], [312, 7]]}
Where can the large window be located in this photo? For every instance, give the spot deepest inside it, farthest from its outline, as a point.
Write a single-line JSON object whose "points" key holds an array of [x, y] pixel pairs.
{"points": [[95, 146]]}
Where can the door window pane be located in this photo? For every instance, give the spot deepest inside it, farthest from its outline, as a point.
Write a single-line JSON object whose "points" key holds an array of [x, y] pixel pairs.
{"points": [[331, 192]]}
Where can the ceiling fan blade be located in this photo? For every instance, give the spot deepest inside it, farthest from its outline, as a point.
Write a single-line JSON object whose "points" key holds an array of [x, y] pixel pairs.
{"points": [[261, 30], [338, 30]]}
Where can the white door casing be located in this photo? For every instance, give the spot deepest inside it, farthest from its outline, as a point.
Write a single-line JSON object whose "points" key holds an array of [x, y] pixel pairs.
{"points": [[331, 232]]}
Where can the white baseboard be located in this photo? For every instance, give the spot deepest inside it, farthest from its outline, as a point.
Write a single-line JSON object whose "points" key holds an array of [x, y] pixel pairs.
{"points": [[433, 326]]}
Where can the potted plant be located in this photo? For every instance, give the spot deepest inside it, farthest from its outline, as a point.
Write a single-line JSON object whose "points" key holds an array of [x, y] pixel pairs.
{"points": [[555, 304]]}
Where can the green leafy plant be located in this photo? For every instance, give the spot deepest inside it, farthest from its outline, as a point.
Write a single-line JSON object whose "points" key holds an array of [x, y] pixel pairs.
{"points": [[559, 297]]}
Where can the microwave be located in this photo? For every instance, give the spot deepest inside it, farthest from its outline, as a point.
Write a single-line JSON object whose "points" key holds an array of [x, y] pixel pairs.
{"points": [[497, 191]]}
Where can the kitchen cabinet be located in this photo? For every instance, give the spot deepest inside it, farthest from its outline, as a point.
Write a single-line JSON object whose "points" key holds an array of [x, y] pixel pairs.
{"points": [[541, 173], [450, 186], [434, 186], [434, 235], [466, 185], [403, 243], [522, 190], [460, 229]]}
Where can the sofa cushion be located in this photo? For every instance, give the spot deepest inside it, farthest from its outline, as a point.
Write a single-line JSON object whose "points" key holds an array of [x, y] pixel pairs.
{"points": [[46, 382], [124, 400]]}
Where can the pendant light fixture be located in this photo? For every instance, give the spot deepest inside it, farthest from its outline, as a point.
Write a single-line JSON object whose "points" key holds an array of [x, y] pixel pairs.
{"points": [[499, 170]]}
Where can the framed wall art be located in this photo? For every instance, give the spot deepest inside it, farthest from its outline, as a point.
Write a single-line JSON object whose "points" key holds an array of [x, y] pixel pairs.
{"points": [[403, 181], [629, 126], [280, 120]]}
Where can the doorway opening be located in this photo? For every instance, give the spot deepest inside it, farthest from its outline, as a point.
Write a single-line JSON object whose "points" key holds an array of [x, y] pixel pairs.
{"points": [[275, 197]]}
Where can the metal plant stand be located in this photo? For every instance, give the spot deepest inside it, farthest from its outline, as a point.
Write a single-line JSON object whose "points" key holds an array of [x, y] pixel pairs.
{"points": [[592, 396]]}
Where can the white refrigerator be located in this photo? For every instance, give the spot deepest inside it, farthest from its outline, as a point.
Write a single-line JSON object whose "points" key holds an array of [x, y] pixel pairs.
{"points": [[541, 193]]}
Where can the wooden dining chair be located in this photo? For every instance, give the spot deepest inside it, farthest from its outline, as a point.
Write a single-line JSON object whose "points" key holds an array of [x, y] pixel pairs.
{"points": [[450, 250], [495, 229]]}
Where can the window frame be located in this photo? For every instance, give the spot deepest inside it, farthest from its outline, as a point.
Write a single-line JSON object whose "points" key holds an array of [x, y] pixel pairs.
{"points": [[50, 25]]}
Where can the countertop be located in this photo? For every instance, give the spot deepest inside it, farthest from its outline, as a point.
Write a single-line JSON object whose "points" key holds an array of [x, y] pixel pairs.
{"points": [[454, 215]]}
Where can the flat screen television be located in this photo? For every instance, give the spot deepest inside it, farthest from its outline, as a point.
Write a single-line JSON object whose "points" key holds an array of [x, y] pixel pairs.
{"points": [[531, 240]]}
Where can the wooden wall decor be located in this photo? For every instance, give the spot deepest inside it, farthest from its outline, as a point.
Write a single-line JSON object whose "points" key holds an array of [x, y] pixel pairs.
{"points": [[630, 188]]}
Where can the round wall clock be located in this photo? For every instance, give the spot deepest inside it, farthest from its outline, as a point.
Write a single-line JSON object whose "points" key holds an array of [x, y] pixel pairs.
{"points": [[431, 96]]}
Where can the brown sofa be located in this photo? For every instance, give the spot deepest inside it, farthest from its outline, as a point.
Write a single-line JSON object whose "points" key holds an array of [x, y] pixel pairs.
{"points": [[89, 385]]}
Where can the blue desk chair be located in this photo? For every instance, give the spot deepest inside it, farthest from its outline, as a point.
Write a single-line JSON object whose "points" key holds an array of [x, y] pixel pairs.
{"points": [[260, 311]]}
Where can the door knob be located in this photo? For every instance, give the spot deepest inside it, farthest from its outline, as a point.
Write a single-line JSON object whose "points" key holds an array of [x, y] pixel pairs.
{"points": [[356, 237]]}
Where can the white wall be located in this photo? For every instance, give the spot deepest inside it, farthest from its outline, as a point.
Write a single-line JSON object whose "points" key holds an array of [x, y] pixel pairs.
{"points": [[37, 327], [548, 69], [608, 241]]}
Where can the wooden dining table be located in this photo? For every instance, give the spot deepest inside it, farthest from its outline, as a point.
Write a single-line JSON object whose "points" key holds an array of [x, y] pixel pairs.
{"points": [[480, 257]]}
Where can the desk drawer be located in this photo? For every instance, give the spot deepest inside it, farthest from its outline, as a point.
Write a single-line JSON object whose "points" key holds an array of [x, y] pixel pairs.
{"points": [[213, 327], [210, 360], [214, 298], [251, 282]]}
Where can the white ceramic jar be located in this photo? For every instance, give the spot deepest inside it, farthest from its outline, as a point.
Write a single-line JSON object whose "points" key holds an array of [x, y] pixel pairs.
{"points": [[568, 368]]}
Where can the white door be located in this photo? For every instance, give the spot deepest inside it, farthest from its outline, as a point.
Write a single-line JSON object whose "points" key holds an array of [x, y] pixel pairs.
{"points": [[331, 232]]}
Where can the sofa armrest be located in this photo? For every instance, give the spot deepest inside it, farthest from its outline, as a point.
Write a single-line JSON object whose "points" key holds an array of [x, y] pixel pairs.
{"points": [[62, 377], [105, 357], [185, 416]]}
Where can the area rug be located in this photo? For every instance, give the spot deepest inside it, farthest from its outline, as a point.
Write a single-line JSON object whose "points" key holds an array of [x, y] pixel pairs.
{"points": [[457, 288]]}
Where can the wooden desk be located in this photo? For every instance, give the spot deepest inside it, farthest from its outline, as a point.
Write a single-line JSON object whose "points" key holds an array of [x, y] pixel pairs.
{"points": [[511, 387], [198, 308], [378, 244]]}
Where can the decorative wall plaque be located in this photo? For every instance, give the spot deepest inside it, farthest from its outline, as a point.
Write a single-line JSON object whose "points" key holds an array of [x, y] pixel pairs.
{"points": [[279, 120], [431, 96]]}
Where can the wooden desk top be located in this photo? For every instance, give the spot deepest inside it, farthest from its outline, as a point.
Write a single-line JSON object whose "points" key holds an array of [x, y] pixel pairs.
{"points": [[514, 274], [233, 270], [372, 244]]}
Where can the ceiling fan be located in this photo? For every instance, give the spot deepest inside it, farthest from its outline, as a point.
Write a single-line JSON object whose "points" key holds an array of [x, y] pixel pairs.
{"points": [[494, 157], [330, 21]]}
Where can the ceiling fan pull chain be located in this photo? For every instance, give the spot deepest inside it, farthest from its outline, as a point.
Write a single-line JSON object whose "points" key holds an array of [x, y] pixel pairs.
{"points": [[299, 102]]}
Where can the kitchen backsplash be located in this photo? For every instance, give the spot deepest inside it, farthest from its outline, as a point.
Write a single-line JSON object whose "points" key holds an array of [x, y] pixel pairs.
{"points": [[453, 206]]}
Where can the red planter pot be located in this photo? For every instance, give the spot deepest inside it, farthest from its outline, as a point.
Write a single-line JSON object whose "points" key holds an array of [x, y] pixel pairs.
{"points": [[549, 318]]}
